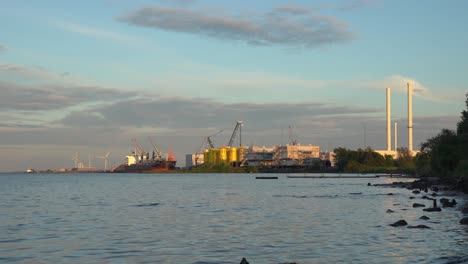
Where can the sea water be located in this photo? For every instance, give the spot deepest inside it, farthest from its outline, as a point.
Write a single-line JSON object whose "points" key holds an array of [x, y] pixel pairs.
{"points": [[218, 218]]}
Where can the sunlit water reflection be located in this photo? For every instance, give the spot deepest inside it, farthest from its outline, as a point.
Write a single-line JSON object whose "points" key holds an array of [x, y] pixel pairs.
{"points": [[186, 218]]}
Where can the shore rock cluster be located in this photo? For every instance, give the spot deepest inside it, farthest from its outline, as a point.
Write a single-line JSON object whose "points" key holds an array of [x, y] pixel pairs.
{"points": [[425, 186]]}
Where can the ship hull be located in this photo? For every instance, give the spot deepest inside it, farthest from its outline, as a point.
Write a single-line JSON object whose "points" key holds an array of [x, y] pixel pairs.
{"points": [[153, 166]]}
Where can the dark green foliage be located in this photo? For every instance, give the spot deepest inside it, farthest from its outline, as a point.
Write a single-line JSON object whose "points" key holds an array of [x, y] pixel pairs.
{"points": [[404, 159], [442, 152], [447, 153], [362, 160], [462, 133]]}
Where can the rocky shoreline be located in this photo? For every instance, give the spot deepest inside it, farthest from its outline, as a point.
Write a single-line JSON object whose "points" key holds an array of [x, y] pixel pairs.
{"points": [[431, 189], [440, 196]]}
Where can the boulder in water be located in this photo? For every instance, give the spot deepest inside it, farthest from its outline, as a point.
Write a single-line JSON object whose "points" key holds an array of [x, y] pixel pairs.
{"points": [[244, 261], [464, 221], [424, 217], [390, 211], [447, 203], [418, 205], [416, 192], [433, 209], [419, 227], [399, 223]]}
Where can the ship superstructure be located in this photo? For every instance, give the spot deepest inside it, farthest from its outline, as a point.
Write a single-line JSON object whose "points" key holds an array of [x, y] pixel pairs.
{"points": [[141, 161]]}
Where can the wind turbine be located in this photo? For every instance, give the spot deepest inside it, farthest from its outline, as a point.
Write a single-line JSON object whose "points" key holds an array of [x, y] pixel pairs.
{"points": [[76, 159], [105, 159]]}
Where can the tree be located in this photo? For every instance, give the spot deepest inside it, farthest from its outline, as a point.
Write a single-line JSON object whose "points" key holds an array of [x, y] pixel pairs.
{"points": [[462, 134], [389, 162], [404, 158], [342, 156], [443, 152]]}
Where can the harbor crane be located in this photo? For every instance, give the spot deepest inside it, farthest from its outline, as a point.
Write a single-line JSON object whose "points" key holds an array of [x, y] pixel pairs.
{"points": [[203, 144], [158, 152], [208, 138], [139, 150], [236, 128]]}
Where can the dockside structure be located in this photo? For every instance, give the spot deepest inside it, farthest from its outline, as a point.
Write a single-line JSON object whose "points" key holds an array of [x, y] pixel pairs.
{"points": [[284, 155]]}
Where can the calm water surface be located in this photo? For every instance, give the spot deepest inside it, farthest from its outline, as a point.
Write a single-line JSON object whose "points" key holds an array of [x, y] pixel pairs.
{"points": [[216, 218]]}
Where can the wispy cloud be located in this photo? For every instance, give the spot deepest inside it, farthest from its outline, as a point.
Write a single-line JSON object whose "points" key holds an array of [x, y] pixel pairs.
{"points": [[398, 83], [177, 2], [2, 48], [97, 33], [292, 9], [291, 26], [26, 74], [356, 4], [22, 97]]}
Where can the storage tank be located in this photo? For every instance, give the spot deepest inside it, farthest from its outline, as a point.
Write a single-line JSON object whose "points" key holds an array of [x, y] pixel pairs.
{"points": [[206, 156], [232, 155], [223, 156], [214, 156]]}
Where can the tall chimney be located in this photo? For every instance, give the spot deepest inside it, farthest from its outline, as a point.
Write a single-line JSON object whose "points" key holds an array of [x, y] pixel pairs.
{"points": [[396, 136], [410, 117], [389, 120]]}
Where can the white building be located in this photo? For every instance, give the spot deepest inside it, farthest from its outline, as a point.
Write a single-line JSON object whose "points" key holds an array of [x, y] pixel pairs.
{"points": [[195, 159], [287, 155]]}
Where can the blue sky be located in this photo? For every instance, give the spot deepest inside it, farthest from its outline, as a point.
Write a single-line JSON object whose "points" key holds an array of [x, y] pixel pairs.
{"points": [[89, 75]]}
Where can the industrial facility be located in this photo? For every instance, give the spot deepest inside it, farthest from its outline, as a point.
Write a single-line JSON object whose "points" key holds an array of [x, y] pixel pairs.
{"points": [[389, 150], [291, 155]]}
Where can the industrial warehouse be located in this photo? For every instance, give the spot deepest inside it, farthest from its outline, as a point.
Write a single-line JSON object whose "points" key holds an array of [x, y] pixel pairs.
{"points": [[292, 156]]}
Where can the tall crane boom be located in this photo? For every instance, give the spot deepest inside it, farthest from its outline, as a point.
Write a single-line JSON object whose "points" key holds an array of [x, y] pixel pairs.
{"points": [[210, 142], [155, 148], [208, 139], [137, 146], [238, 125]]}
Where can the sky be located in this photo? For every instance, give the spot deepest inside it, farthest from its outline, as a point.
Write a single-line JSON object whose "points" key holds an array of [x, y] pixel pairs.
{"points": [[88, 76]]}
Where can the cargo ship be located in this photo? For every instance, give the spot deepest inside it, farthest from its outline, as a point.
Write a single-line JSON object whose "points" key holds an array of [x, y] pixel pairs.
{"points": [[140, 162]]}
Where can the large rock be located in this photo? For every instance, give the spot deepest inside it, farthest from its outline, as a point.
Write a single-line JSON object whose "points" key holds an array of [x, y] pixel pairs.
{"points": [[399, 223], [244, 261], [464, 221], [390, 211], [447, 203], [433, 209], [416, 192], [418, 205], [419, 227], [424, 217]]}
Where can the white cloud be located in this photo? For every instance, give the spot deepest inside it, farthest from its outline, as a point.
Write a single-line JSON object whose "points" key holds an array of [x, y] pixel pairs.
{"points": [[98, 33]]}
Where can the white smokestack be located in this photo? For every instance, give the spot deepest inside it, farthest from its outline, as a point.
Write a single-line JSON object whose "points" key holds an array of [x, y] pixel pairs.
{"points": [[389, 120], [396, 136], [410, 117]]}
